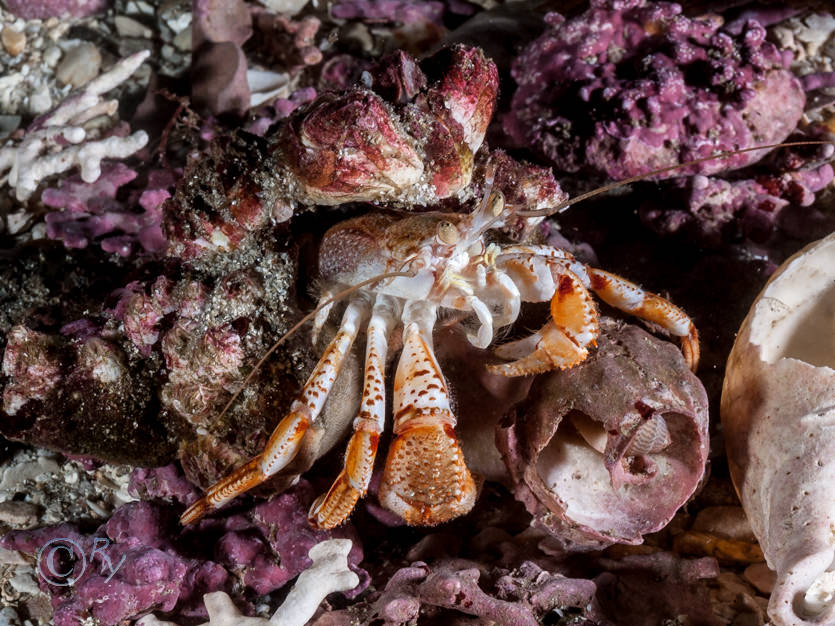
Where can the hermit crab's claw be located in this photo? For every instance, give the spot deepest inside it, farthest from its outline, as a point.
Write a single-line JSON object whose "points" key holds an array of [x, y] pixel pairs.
{"points": [[563, 341], [425, 480]]}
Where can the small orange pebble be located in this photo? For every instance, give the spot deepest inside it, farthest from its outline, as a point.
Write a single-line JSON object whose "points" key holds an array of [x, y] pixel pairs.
{"points": [[726, 551]]}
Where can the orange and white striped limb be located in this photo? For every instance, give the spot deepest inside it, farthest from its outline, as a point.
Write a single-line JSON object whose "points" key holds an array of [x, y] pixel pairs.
{"points": [[425, 480], [629, 297], [334, 507], [286, 439], [563, 341]]}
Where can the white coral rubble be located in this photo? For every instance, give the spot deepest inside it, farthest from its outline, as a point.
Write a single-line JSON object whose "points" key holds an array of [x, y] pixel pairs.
{"points": [[60, 140]]}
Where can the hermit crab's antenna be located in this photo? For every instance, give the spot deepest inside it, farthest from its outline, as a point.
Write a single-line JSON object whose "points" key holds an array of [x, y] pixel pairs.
{"points": [[335, 298], [562, 206]]}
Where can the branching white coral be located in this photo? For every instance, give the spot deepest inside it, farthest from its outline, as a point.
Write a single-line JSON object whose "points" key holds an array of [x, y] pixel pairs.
{"points": [[328, 574], [58, 141]]}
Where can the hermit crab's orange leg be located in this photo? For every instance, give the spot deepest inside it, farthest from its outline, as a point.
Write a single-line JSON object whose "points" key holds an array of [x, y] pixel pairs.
{"points": [[334, 507], [629, 297], [563, 341], [425, 480], [286, 438]]}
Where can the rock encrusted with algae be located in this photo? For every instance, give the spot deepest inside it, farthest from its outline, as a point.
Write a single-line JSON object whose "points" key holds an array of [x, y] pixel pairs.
{"points": [[627, 87], [413, 139], [146, 562]]}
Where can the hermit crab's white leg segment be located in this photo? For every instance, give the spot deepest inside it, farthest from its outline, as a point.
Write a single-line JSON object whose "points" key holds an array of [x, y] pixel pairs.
{"points": [[511, 298], [425, 479], [334, 507], [325, 306], [286, 439], [629, 297], [563, 341], [554, 256], [531, 274], [485, 330]]}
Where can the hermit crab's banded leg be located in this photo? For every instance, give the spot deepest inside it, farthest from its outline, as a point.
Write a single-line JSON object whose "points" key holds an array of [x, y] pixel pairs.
{"points": [[425, 479], [629, 297], [562, 342], [334, 507], [286, 439]]}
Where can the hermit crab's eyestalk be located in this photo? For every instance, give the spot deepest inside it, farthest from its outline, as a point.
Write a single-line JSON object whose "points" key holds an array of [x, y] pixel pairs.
{"points": [[448, 233]]}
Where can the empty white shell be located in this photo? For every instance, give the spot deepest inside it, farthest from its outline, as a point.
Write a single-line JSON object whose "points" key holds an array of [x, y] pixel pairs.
{"points": [[778, 416]]}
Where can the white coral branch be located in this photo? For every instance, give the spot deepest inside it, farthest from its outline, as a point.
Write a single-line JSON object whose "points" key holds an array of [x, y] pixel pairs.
{"points": [[328, 573], [43, 149]]}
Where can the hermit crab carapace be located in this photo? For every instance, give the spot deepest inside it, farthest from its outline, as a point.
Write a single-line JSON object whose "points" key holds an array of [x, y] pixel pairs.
{"points": [[443, 261]]}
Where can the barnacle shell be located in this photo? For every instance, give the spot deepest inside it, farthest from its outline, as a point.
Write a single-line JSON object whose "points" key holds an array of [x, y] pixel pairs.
{"points": [[778, 414], [349, 147]]}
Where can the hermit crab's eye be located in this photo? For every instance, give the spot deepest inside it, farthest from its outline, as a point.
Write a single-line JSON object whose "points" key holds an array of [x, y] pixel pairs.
{"points": [[496, 203], [447, 233]]}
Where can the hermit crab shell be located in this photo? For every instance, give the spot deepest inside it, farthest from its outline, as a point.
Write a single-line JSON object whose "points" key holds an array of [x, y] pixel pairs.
{"points": [[607, 451], [778, 415]]}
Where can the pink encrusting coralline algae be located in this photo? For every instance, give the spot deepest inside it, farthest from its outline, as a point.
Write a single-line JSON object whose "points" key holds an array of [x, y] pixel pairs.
{"points": [[146, 562], [630, 86]]}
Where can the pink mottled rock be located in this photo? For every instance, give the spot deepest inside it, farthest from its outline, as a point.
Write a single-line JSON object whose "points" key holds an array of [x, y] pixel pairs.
{"points": [[755, 209], [145, 561], [44, 9], [520, 598], [32, 361], [631, 86], [607, 451], [93, 213], [166, 482]]}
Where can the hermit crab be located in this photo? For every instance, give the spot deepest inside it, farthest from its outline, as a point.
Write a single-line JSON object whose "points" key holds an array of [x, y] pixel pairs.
{"points": [[442, 262], [399, 273], [423, 264]]}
